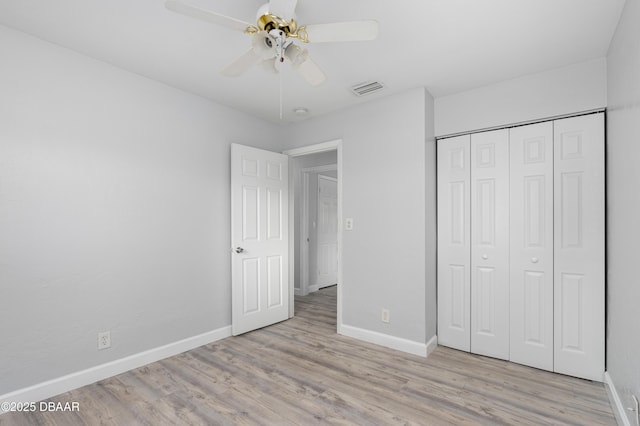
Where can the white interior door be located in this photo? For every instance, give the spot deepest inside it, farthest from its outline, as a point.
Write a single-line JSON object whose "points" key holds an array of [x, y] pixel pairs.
{"points": [[579, 212], [490, 243], [454, 236], [259, 235], [531, 247], [327, 232]]}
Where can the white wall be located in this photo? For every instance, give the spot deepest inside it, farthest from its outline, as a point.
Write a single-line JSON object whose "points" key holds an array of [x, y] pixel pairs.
{"points": [[114, 211], [431, 213], [623, 176], [383, 181], [299, 163], [576, 88]]}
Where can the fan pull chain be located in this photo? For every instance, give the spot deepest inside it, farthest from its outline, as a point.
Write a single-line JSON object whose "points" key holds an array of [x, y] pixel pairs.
{"points": [[280, 75]]}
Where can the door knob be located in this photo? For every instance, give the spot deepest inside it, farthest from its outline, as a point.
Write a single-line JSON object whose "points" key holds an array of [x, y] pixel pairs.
{"points": [[534, 260], [485, 257], [238, 250]]}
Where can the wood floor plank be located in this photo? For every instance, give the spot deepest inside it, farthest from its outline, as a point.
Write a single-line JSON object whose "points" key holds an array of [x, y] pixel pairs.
{"points": [[300, 372]]}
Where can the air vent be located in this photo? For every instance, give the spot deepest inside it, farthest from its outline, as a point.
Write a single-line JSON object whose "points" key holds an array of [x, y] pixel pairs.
{"points": [[367, 88]]}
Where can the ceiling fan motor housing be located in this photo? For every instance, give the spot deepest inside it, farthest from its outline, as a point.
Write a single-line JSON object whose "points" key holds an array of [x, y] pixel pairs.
{"points": [[269, 22]]}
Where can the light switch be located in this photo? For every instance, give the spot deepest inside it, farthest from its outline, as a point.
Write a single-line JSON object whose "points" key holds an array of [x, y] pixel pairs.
{"points": [[348, 224]]}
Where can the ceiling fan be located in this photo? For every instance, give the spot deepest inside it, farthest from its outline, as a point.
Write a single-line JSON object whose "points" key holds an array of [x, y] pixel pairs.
{"points": [[274, 34]]}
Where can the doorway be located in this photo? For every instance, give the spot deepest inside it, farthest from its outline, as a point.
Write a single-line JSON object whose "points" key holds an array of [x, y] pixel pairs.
{"points": [[315, 224], [314, 266], [323, 255]]}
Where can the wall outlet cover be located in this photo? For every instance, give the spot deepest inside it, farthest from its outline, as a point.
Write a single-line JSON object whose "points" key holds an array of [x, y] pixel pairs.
{"points": [[348, 224], [104, 340]]}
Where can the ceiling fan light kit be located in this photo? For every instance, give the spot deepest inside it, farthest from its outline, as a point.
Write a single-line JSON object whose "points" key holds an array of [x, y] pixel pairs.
{"points": [[274, 35]]}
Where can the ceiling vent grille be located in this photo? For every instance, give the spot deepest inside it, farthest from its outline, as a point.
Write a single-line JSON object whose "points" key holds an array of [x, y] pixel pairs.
{"points": [[367, 88]]}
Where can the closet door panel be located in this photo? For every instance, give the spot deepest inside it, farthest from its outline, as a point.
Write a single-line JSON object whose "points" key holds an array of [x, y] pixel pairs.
{"points": [[531, 245], [454, 242], [579, 243], [490, 243]]}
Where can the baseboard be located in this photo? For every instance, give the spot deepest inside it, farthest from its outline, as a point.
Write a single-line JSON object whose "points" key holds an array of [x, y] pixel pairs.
{"points": [[432, 344], [385, 340], [317, 287], [91, 375], [614, 400], [297, 292]]}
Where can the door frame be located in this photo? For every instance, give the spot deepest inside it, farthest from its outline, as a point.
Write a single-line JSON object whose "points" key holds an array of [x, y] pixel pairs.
{"points": [[304, 222], [331, 145]]}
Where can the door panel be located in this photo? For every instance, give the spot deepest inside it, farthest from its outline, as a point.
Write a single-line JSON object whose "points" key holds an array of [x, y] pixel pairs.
{"points": [[250, 285], [534, 312], [485, 285], [454, 242], [458, 192], [274, 213], [274, 276], [485, 212], [571, 211], [531, 247], [250, 220], [458, 315], [579, 243], [571, 320], [259, 224], [490, 243]]}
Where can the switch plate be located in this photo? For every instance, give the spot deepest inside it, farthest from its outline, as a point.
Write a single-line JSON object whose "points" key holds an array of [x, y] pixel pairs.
{"points": [[385, 316], [348, 224]]}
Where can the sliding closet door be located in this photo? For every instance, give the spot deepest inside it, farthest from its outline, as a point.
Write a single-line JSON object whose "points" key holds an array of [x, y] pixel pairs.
{"points": [[579, 246], [490, 243], [531, 247], [454, 242]]}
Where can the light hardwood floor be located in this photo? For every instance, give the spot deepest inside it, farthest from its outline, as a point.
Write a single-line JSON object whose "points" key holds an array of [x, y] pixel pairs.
{"points": [[301, 372]]}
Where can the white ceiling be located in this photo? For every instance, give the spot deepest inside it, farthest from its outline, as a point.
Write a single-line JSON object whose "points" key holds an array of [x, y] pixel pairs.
{"points": [[447, 46]]}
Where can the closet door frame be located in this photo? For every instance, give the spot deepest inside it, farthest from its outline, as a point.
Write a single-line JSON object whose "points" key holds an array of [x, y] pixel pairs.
{"points": [[577, 259]]}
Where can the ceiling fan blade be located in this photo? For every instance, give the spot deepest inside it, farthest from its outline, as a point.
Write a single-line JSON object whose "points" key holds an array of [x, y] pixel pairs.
{"points": [[342, 31], [283, 8], [206, 15], [242, 64], [311, 72]]}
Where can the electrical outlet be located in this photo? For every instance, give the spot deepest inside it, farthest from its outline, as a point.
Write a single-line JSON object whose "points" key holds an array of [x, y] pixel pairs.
{"points": [[104, 340], [348, 224], [385, 315]]}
